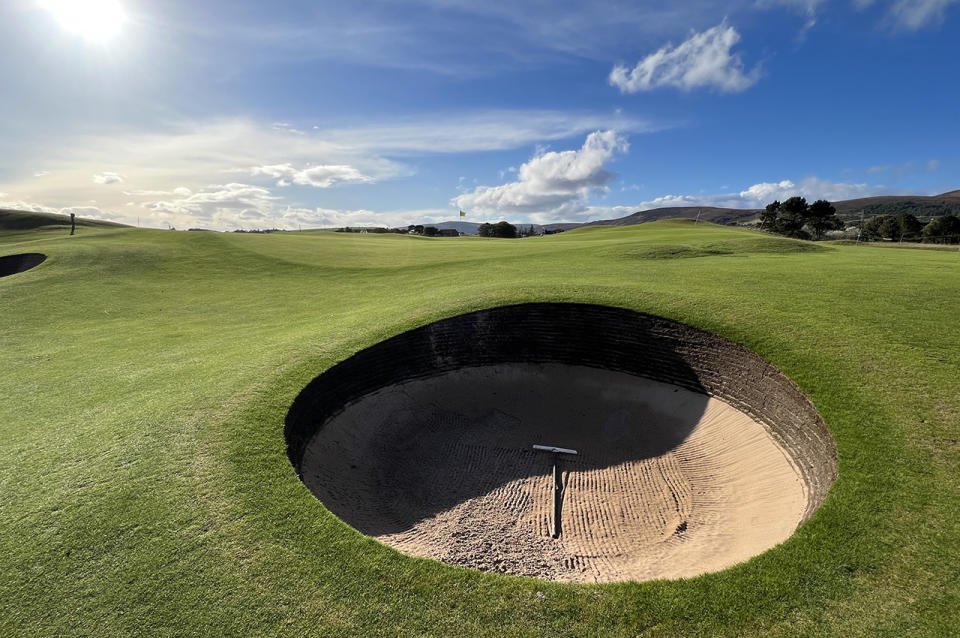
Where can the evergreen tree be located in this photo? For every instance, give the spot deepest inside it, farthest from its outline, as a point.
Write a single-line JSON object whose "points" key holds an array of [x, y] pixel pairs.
{"points": [[821, 217]]}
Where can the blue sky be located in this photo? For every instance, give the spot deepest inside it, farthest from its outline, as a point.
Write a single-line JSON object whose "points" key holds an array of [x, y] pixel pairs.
{"points": [[252, 114]]}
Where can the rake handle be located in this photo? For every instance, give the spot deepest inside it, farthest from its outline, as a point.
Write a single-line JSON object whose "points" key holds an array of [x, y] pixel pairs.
{"points": [[557, 495]]}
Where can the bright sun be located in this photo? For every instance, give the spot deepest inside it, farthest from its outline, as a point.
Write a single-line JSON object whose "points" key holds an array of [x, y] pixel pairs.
{"points": [[95, 20]]}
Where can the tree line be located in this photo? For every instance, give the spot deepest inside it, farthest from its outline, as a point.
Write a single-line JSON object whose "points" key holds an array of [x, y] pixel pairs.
{"points": [[906, 227], [798, 219]]}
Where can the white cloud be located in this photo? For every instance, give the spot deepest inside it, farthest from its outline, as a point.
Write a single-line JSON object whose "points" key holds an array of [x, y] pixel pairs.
{"points": [[552, 183], [108, 177], [322, 176], [216, 203], [291, 218], [915, 14], [703, 60], [32, 207], [165, 167], [195, 154], [41, 173], [235, 205]]}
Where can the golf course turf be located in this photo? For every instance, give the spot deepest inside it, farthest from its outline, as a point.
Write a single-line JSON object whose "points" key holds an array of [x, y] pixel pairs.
{"points": [[145, 487]]}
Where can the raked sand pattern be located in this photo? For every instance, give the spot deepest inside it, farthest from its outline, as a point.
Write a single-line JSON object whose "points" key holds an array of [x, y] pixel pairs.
{"points": [[668, 483]]}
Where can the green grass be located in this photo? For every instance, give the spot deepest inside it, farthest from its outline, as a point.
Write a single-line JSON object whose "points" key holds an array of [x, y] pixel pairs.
{"points": [[145, 490]]}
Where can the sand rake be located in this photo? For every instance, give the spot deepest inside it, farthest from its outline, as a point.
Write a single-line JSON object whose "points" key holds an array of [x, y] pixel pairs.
{"points": [[557, 483]]}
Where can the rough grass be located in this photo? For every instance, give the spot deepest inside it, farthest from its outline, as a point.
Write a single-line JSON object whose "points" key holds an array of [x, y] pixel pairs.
{"points": [[144, 488]]}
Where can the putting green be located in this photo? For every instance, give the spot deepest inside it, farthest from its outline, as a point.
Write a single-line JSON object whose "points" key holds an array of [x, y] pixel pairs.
{"points": [[145, 486]]}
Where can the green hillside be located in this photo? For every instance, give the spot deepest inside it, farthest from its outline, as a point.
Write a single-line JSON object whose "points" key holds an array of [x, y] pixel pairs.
{"points": [[145, 488], [26, 220]]}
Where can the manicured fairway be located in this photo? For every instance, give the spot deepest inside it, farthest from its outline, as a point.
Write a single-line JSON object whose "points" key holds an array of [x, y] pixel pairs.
{"points": [[145, 489]]}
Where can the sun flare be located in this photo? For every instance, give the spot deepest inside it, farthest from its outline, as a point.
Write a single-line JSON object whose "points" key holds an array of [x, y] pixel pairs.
{"points": [[94, 20]]}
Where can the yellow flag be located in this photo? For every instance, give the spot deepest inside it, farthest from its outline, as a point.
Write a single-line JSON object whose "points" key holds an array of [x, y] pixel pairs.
{"points": [[462, 214]]}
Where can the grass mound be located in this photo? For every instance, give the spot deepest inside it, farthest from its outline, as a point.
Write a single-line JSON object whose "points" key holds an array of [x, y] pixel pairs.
{"points": [[768, 244], [751, 244]]}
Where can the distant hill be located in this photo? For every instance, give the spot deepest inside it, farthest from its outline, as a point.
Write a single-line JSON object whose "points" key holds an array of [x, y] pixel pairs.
{"points": [[706, 213], [918, 205], [27, 220]]}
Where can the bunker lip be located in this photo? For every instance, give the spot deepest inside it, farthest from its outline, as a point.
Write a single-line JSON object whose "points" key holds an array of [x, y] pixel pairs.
{"points": [[13, 264], [695, 454]]}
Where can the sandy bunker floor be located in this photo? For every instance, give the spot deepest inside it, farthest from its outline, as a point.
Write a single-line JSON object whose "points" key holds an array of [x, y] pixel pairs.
{"points": [[668, 483]]}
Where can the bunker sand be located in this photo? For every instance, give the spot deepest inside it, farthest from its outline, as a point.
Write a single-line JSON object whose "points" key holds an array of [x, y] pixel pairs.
{"points": [[668, 482]]}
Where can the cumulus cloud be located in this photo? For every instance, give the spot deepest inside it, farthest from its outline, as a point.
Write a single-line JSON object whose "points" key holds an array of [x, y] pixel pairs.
{"points": [[236, 205], [108, 177], [915, 14], [212, 204], [555, 183], [703, 60], [322, 176]]}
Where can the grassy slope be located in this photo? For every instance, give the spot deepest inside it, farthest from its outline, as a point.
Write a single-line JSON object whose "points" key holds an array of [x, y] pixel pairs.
{"points": [[144, 486], [20, 220]]}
